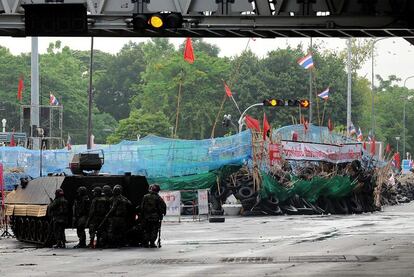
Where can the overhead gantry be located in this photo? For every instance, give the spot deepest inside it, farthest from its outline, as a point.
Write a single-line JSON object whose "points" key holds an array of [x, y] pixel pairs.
{"points": [[208, 18]]}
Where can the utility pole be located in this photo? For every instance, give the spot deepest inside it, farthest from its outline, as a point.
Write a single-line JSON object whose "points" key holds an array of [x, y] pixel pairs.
{"points": [[349, 92], [89, 142], [34, 93]]}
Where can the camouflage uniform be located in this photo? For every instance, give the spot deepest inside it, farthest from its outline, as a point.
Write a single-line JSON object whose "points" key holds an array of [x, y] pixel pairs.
{"points": [[153, 209], [118, 217], [99, 208], [80, 215], [58, 211]]}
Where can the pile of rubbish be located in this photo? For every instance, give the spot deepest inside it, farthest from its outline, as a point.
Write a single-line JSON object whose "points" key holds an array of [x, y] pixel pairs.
{"points": [[316, 188], [397, 190]]}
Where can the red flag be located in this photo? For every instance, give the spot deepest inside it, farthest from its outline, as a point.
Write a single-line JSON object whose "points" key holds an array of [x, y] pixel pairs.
{"points": [[12, 142], [188, 51], [20, 89], [266, 126], [364, 145], [397, 160], [388, 148], [2, 186], [330, 125], [372, 150], [227, 89], [252, 123]]}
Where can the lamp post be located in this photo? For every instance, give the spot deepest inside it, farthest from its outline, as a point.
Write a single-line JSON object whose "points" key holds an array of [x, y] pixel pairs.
{"points": [[405, 102], [41, 133], [240, 121], [3, 122], [373, 85], [397, 139]]}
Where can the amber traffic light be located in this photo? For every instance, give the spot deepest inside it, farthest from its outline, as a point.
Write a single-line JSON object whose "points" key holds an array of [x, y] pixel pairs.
{"points": [[158, 21], [273, 102], [304, 103]]}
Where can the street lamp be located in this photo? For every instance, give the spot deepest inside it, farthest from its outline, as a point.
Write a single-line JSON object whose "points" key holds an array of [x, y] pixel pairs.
{"points": [[405, 102], [373, 85], [3, 122], [240, 121], [397, 139], [41, 134]]}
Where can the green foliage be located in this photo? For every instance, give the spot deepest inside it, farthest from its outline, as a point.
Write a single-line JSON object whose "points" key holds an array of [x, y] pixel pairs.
{"points": [[140, 124], [139, 87]]}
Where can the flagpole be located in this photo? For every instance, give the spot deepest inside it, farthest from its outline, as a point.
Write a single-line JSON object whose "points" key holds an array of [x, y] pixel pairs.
{"points": [[89, 142], [180, 85], [323, 113], [218, 114], [234, 78], [310, 86]]}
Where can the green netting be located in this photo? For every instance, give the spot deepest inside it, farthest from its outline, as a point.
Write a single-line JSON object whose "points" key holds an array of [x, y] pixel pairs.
{"points": [[335, 187], [193, 182]]}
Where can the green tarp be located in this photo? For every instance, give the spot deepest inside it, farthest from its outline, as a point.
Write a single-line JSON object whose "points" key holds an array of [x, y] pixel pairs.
{"points": [[335, 187], [206, 180]]}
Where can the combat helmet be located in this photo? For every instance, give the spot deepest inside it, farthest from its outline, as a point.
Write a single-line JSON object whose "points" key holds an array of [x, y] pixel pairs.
{"points": [[59, 193], [82, 190], [155, 188], [117, 190], [97, 191]]}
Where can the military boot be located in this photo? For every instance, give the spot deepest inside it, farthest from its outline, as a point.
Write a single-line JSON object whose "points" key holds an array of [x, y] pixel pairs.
{"points": [[81, 244]]}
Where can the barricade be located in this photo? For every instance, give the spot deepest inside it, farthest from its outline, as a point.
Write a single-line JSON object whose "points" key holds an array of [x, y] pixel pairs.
{"points": [[198, 207]]}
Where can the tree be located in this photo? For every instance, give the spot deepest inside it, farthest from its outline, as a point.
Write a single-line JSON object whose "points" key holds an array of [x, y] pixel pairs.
{"points": [[114, 87], [141, 123]]}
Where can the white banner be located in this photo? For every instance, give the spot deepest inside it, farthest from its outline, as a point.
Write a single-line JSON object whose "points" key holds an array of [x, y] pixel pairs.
{"points": [[321, 152], [173, 200], [202, 201]]}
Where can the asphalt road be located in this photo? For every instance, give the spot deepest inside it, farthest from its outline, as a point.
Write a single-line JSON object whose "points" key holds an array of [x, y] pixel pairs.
{"points": [[377, 244]]}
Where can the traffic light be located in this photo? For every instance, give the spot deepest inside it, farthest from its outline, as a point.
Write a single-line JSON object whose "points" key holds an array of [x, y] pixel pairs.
{"points": [[273, 102], [304, 103], [157, 21], [293, 103]]}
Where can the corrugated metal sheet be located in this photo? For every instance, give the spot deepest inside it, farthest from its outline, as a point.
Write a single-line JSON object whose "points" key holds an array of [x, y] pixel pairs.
{"points": [[37, 192]]}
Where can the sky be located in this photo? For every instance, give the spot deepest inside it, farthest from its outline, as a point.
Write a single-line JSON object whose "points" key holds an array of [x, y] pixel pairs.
{"points": [[395, 56]]}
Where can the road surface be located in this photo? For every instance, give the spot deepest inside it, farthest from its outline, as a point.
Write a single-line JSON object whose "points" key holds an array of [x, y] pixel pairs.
{"points": [[371, 244]]}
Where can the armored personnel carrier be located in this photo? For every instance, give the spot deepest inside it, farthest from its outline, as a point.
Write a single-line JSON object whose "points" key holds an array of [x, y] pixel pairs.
{"points": [[27, 204]]}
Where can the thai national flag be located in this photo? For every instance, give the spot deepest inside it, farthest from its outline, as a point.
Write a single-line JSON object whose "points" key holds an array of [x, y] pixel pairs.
{"points": [[53, 100], [306, 62], [359, 135], [324, 94]]}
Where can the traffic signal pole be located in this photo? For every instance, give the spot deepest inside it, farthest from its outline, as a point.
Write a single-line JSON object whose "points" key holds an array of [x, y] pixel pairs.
{"points": [[240, 121]]}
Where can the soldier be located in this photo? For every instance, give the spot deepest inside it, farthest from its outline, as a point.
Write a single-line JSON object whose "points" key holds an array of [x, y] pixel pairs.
{"points": [[107, 194], [80, 215], [107, 191], [99, 208], [118, 217], [153, 208], [58, 211]]}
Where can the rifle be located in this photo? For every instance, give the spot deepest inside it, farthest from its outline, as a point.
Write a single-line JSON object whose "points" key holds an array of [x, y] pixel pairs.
{"points": [[159, 234]]}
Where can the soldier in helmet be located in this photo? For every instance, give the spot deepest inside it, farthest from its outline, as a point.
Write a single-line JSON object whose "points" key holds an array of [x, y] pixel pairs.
{"points": [[107, 191], [118, 217], [99, 208], [59, 211], [80, 215], [107, 194], [153, 209]]}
